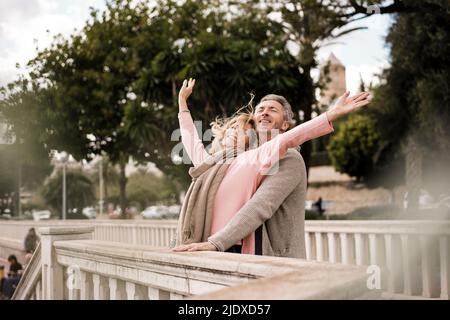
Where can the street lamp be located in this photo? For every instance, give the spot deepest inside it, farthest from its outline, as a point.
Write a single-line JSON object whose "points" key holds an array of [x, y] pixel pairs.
{"points": [[100, 172], [62, 158]]}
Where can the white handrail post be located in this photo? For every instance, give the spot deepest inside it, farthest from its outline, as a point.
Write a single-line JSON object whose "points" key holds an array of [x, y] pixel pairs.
{"points": [[52, 272]]}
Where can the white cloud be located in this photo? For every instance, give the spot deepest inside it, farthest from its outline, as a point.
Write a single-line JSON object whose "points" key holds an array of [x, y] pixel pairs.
{"points": [[25, 24], [19, 10]]}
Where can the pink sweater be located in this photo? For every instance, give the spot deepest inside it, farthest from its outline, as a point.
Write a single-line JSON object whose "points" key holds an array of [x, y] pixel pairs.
{"points": [[247, 170]]}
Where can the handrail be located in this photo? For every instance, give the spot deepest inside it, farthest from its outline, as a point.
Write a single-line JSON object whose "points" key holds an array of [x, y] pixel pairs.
{"points": [[120, 271], [30, 278]]}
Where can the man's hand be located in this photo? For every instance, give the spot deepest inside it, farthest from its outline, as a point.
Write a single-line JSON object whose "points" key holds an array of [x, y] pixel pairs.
{"points": [[346, 104], [186, 89], [200, 246]]}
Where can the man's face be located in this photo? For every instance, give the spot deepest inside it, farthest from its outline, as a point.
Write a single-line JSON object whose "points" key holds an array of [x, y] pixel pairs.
{"points": [[269, 115]]}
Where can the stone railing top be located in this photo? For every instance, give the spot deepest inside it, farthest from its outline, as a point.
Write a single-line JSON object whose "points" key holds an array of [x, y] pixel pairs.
{"points": [[220, 262], [11, 243], [324, 284], [88, 221], [60, 230], [434, 227], [276, 278]]}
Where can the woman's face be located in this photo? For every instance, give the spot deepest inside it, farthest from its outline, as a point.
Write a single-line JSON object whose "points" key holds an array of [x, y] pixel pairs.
{"points": [[238, 136]]}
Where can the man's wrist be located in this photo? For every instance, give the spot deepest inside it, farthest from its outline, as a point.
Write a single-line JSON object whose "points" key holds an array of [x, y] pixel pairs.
{"points": [[216, 245]]}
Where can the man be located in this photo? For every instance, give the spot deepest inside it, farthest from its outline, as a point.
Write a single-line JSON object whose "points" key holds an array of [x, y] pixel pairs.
{"points": [[276, 211]]}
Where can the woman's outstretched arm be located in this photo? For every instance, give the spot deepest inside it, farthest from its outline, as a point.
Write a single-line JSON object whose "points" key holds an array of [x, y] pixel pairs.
{"points": [[189, 136]]}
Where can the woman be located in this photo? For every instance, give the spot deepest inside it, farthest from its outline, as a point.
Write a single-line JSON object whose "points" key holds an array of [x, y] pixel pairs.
{"points": [[227, 188]]}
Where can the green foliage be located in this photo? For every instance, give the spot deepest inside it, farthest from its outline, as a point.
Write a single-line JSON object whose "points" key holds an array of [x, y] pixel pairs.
{"points": [[20, 106], [353, 148], [117, 79], [148, 189], [411, 107], [7, 178], [79, 191], [415, 99]]}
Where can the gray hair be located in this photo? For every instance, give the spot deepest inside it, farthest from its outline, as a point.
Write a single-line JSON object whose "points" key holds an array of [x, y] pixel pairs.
{"points": [[287, 109]]}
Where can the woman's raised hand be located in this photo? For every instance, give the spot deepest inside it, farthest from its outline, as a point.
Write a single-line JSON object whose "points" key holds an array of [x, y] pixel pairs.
{"points": [[346, 104], [186, 89]]}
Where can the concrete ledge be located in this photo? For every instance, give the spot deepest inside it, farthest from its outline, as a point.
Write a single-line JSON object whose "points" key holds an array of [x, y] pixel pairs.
{"points": [[66, 230], [190, 273]]}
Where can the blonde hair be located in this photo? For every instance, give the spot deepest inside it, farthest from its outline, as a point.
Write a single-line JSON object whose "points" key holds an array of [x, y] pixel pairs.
{"points": [[239, 119]]}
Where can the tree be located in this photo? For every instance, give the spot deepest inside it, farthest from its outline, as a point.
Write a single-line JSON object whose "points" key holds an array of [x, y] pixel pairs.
{"points": [[112, 87], [27, 159], [368, 7], [7, 179], [110, 175], [79, 191], [353, 148], [229, 54], [90, 78], [149, 189], [411, 107], [312, 24]]}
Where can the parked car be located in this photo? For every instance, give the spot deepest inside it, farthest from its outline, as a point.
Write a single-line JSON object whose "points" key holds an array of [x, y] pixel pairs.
{"points": [[174, 209], [41, 215], [90, 212], [153, 212]]}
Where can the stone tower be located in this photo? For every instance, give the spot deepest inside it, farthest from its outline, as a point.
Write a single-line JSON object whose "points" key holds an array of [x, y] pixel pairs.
{"points": [[335, 86]]}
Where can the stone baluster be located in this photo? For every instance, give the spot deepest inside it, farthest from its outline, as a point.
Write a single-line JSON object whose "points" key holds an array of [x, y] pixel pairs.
{"points": [[153, 237], [167, 244], [430, 264], [101, 287], [159, 237], [374, 250], [134, 291], [319, 247], [158, 294], [444, 258], [393, 263], [308, 245], [410, 265], [86, 286], [52, 272], [360, 251], [117, 289], [332, 247], [133, 235], [346, 248], [38, 291]]}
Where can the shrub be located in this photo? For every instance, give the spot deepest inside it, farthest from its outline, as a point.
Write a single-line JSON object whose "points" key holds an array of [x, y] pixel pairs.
{"points": [[353, 148]]}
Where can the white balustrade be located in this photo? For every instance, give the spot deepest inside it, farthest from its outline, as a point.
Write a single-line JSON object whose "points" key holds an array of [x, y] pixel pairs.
{"points": [[413, 255], [112, 270]]}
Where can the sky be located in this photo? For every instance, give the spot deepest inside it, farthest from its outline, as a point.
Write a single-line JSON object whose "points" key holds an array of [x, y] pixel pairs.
{"points": [[27, 24]]}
